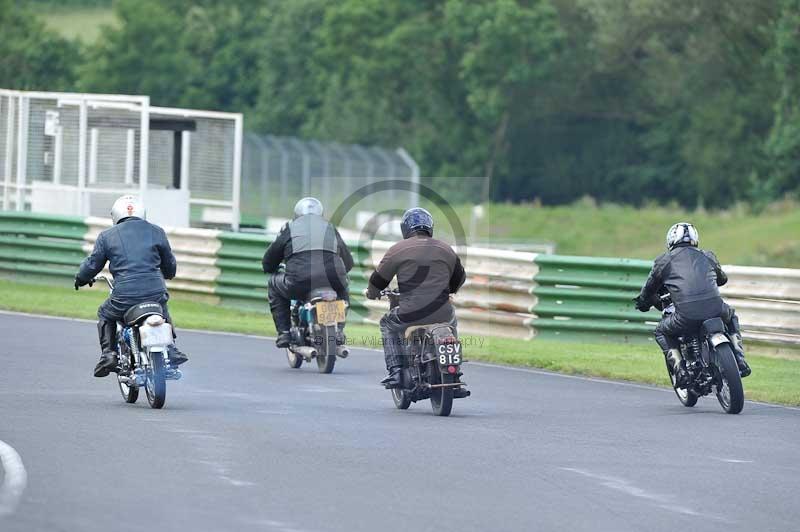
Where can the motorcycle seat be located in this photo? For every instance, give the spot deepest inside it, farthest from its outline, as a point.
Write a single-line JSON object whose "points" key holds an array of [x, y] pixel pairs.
{"points": [[325, 293], [142, 310], [425, 328]]}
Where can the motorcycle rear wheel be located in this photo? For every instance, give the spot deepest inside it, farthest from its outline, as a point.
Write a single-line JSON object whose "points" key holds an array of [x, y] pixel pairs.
{"points": [[730, 392], [326, 354], [687, 397], [442, 398], [155, 384]]}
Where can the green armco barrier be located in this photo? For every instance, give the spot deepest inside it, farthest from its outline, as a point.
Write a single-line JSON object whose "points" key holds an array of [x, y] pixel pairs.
{"points": [[48, 248], [590, 297]]}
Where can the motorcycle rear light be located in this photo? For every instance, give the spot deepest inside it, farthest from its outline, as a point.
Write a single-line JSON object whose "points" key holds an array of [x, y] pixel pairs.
{"points": [[451, 369], [154, 321]]}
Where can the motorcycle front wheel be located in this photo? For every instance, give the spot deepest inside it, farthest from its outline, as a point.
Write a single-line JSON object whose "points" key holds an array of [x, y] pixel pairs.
{"points": [[295, 360], [730, 392], [155, 384], [687, 397], [401, 399]]}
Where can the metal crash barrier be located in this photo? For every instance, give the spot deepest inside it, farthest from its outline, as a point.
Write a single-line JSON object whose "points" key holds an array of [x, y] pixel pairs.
{"points": [[507, 293]]}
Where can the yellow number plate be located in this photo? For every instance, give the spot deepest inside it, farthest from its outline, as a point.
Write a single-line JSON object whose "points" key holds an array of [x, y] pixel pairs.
{"points": [[330, 312]]}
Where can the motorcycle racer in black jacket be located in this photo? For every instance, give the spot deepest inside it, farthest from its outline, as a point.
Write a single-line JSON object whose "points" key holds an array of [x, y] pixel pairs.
{"points": [[140, 259], [692, 277]]}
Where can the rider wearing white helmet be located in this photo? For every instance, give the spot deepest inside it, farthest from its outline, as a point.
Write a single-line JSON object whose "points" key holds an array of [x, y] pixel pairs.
{"points": [[692, 277], [140, 258], [315, 256]]}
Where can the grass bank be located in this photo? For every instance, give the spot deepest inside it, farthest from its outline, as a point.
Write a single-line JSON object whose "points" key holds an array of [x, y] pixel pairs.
{"points": [[738, 236], [83, 23], [774, 379]]}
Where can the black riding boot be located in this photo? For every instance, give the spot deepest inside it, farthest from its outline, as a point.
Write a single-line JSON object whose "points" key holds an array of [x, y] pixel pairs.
{"points": [[392, 351], [672, 354], [281, 315], [738, 347], [107, 332]]}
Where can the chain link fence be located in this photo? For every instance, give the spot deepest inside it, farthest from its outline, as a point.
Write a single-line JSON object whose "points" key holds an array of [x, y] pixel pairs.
{"points": [[277, 171]]}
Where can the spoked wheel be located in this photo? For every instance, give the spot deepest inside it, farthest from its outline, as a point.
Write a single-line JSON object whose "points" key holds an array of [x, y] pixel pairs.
{"points": [[295, 360], [401, 398], [129, 393], [442, 398], [686, 397], [326, 354], [730, 392], [155, 383]]}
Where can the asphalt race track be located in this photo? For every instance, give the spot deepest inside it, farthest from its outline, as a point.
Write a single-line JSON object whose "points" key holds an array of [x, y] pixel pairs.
{"points": [[245, 443]]}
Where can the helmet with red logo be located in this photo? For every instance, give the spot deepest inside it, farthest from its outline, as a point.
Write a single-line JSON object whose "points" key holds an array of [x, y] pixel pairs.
{"points": [[126, 207]]}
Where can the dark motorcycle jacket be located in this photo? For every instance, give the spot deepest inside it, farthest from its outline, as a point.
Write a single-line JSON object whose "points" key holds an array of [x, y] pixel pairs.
{"points": [[428, 271], [692, 277], [312, 250], [139, 257]]}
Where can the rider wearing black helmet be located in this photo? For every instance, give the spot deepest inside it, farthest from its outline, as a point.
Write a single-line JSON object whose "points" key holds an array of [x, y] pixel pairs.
{"points": [[428, 271], [692, 277], [315, 256]]}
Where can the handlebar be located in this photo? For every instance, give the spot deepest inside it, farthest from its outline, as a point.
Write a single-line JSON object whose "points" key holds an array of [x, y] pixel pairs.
{"points": [[105, 279]]}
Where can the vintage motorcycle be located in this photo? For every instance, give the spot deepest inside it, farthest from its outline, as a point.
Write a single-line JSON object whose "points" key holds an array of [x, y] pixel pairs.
{"points": [[318, 330], [710, 364], [432, 365], [143, 339]]}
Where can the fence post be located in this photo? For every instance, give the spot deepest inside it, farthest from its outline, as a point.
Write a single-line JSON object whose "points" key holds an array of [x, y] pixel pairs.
{"points": [[9, 153], [22, 150], [237, 171]]}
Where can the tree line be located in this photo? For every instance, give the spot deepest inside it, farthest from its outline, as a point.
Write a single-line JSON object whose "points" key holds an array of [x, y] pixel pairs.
{"points": [[624, 100]]}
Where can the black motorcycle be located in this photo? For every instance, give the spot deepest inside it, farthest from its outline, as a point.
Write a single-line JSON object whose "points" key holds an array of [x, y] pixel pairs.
{"points": [[710, 364], [317, 330], [432, 365]]}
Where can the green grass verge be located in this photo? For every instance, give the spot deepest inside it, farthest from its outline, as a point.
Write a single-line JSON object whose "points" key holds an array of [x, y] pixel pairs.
{"points": [[774, 379], [737, 236], [81, 23]]}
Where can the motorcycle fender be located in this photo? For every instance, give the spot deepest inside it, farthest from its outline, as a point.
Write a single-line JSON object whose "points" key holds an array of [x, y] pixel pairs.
{"points": [[718, 338]]}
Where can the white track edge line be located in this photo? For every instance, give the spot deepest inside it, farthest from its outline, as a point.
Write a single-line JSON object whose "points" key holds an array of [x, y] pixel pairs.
{"points": [[15, 479]]}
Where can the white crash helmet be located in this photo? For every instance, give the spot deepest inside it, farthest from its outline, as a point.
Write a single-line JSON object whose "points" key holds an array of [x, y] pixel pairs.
{"points": [[682, 233], [307, 206], [127, 206]]}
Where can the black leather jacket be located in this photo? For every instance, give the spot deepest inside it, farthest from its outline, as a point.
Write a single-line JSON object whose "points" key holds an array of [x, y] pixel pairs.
{"points": [[139, 258], [692, 277], [311, 249]]}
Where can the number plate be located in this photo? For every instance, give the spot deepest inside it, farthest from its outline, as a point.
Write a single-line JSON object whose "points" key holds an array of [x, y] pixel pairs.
{"points": [[160, 335], [449, 353], [330, 312]]}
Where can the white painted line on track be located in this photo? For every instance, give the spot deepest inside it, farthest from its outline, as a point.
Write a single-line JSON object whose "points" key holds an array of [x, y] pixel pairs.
{"points": [[474, 363], [15, 478]]}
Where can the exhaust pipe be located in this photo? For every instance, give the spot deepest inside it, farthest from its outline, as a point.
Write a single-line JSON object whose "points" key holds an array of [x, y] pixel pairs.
{"points": [[305, 351], [342, 351]]}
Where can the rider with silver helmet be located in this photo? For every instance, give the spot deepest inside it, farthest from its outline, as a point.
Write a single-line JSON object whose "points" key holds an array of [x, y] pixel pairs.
{"points": [[314, 255], [427, 271], [140, 258], [692, 277]]}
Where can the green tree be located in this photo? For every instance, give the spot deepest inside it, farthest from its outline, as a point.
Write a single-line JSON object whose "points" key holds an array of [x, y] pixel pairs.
{"points": [[31, 56], [783, 144]]}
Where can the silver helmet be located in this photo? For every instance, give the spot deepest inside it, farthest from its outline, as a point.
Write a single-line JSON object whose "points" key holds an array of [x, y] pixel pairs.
{"points": [[308, 206], [127, 206], [682, 233]]}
